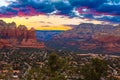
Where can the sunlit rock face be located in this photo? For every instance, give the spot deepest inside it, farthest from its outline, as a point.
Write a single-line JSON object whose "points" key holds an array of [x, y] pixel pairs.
{"points": [[13, 36], [89, 38]]}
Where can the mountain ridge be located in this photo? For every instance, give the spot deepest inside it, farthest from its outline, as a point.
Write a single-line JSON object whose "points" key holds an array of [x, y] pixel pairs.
{"points": [[89, 37]]}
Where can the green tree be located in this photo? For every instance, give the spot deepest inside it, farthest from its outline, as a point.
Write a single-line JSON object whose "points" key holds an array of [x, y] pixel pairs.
{"points": [[52, 70], [55, 63], [95, 70], [34, 73], [56, 66]]}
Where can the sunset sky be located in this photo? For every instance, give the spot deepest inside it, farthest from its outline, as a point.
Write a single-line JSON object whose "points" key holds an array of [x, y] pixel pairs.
{"points": [[59, 14]]}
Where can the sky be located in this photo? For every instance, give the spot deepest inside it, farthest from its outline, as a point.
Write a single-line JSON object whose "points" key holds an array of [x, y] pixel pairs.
{"points": [[59, 14]]}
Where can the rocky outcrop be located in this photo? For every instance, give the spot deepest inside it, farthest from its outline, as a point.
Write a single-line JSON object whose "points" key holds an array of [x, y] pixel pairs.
{"points": [[111, 43], [89, 38], [13, 36]]}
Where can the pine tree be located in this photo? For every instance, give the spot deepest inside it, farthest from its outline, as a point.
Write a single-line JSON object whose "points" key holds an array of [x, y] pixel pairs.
{"points": [[95, 70]]}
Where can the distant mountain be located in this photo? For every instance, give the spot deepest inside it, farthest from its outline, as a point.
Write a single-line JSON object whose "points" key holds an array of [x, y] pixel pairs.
{"points": [[45, 35], [87, 38], [13, 36]]}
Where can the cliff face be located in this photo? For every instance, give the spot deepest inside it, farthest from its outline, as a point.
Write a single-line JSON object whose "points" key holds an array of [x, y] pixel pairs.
{"points": [[111, 43], [89, 38], [13, 36]]}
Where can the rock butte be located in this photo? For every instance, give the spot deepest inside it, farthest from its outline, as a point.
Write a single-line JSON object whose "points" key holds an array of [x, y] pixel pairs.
{"points": [[13, 36]]}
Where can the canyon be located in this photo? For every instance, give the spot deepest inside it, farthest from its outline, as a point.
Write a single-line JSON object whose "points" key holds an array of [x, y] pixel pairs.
{"points": [[89, 38], [84, 38]]}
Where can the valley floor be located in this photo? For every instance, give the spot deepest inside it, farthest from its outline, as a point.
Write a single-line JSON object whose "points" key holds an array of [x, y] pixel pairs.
{"points": [[40, 64]]}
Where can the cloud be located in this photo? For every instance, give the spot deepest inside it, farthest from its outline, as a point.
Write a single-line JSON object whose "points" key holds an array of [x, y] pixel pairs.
{"points": [[71, 8], [5, 2], [89, 3], [110, 9]]}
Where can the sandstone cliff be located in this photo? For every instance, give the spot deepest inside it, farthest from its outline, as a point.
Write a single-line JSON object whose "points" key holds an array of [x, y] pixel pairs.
{"points": [[13, 36]]}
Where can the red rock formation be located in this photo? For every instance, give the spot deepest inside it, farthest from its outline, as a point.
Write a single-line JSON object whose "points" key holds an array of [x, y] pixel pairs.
{"points": [[12, 36], [109, 42], [31, 33], [11, 30], [107, 38], [89, 37]]}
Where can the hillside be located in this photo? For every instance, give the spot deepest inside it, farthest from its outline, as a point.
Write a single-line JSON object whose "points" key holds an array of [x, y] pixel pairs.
{"points": [[88, 38]]}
